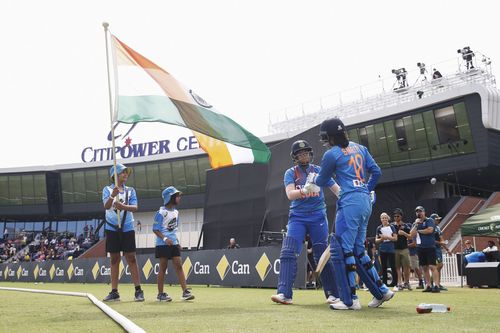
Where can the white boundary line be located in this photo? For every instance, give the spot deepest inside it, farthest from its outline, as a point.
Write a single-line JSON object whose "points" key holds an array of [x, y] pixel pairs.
{"points": [[120, 319]]}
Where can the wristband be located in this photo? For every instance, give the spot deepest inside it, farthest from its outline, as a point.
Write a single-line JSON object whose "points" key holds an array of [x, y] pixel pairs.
{"points": [[165, 239], [112, 197]]}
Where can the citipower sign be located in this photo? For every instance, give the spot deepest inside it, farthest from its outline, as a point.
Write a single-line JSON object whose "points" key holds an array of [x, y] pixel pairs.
{"points": [[127, 144]]}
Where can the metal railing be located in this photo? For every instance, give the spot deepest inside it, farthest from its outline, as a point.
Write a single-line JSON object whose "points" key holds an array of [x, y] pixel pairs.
{"points": [[450, 271], [378, 95]]}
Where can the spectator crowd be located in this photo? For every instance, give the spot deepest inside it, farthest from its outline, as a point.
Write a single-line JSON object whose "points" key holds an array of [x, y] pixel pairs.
{"points": [[46, 245]]}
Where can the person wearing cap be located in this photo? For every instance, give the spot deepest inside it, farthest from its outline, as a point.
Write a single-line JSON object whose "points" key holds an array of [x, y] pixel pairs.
{"points": [[423, 229], [119, 229], [440, 245], [402, 254], [166, 222]]}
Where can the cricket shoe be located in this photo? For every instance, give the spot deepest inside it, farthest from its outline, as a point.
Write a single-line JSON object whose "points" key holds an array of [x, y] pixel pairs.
{"points": [[112, 297], [139, 296], [375, 303], [356, 305], [280, 298], [332, 299], [187, 296], [163, 297]]}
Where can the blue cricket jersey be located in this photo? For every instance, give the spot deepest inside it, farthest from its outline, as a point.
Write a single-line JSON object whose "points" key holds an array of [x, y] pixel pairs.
{"points": [[350, 168], [427, 240], [127, 197], [167, 222], [311, 202]]}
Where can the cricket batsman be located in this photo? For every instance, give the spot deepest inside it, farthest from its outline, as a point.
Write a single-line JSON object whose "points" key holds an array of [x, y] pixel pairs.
{"points": [[357, 173], [307, 216]]}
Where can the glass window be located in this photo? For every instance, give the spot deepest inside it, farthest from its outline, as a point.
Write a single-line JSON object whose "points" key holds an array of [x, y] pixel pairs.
{"points": [[203, 166], [40, 189], [396, 142], [437, 150], [67, 187], [19, 226], [417, 139], [466, 144], [103, 180], [28, 189], [4, 190], [446, 125], [165, 175], [401, 139], [179, 176], [79, 186], [15, 190], [153, 177], [363, 137], [62, 226], [353, 135], [91, 191], [192, 176], [72, 227], [381, 144], [141, 186], [38, 226], [29, 227], [79, 227]]}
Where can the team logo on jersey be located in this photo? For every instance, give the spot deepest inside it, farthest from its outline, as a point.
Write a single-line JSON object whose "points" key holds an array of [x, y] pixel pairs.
{"points": [[339, 128], [172, 224]]}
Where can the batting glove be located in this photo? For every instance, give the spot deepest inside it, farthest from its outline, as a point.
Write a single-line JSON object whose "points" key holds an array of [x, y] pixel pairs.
{"points": [[310, 188]]}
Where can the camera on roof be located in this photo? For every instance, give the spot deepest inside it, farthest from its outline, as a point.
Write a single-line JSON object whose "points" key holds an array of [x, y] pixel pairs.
{"points": [[466, 52], [399, 71]]}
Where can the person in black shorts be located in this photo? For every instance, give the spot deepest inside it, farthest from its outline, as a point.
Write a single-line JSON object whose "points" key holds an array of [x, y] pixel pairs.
{"points": [[423, 229], [165, 226], [120, 234]]}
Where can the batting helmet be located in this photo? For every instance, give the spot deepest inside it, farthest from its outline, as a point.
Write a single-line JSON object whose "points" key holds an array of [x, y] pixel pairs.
{"points": [[298, 146], [119, 169], [333, 129], [168, 193]]}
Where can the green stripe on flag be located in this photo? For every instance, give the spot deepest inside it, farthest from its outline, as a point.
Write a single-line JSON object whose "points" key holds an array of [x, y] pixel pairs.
{"points": [[134, 109]]}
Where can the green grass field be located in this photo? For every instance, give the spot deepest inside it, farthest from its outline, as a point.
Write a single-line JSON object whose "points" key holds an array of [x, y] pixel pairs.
{"points": [[243, 310]]}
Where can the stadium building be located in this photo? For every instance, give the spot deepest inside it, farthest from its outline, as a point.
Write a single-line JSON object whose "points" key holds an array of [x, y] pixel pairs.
{"points": [[446, 128]]}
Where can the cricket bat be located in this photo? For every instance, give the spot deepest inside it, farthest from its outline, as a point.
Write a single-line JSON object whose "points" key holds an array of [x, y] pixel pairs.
{"points": [[323, 260]]}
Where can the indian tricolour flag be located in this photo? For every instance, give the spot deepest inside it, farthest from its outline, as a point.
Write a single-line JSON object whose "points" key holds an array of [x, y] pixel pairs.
{"points": [[148, 93]]}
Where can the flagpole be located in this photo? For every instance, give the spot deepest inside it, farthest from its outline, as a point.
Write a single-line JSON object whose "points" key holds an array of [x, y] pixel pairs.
{"points": [[105, 25]]}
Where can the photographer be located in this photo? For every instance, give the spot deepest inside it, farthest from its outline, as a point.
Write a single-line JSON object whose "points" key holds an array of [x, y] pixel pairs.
{"points": [[467, 55]]}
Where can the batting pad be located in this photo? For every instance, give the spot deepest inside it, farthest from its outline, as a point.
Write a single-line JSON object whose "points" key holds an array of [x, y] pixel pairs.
{"points": [[121, 320]]}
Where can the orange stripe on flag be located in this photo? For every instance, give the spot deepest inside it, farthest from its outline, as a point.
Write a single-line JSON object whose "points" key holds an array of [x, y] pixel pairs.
{"points": [[217, 150]]}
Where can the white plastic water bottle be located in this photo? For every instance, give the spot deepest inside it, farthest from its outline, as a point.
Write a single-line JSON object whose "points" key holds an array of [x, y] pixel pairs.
{"points": [[427, 308]]}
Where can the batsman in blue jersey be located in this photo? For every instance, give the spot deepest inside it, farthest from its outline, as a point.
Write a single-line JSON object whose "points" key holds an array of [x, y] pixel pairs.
{"points": [[307, 216], [357, 173]]}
